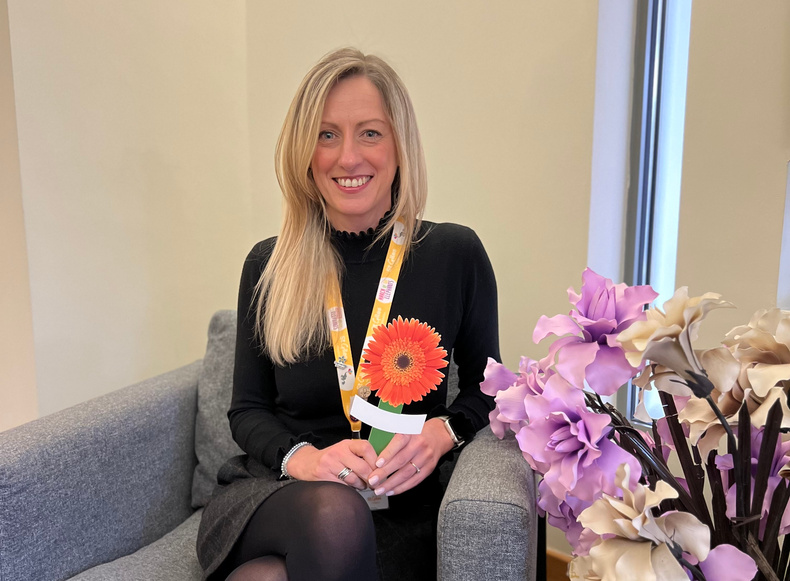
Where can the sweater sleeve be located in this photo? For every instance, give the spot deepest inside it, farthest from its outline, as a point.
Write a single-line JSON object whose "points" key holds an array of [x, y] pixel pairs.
{"points": [[477, 340], [252, 414]]}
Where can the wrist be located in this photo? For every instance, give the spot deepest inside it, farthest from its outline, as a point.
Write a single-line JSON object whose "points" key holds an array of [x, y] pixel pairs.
{"points": [[457, 440], [290, 469], [441, 436]]}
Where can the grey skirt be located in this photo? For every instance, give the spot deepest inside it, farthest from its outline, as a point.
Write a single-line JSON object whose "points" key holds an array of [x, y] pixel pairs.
{"points": [[243, 485]]}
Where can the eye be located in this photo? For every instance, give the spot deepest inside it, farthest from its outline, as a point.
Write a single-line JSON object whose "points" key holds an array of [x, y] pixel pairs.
{"points": [[325, 135], [371, 134]]}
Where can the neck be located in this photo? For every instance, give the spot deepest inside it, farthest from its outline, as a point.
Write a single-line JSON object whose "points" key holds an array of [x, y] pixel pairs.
{"points": [[355, 224]]}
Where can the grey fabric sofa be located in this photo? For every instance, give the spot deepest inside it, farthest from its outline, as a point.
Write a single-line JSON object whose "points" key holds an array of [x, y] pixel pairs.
{"points": [[112, 489]]}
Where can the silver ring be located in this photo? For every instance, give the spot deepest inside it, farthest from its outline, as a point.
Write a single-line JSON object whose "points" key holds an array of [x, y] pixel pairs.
{"points": [[415, 467], [343, 473]]}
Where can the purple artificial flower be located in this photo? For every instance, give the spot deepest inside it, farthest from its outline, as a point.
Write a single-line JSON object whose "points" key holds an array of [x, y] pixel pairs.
{"points": [[509, 391], [724, 563], [592, 352], [563, 514], [780, 459], [570, 444]]}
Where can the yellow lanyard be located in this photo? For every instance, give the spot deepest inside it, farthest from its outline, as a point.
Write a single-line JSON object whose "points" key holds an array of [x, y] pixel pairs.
{"points": [[350, 383]]}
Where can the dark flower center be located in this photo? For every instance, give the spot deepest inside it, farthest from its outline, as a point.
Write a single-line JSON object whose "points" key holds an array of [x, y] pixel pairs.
{"points": [[403, 361]]}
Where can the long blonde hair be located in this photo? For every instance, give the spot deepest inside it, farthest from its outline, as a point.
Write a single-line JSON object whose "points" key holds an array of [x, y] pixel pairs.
{"points": [[290, 310]]}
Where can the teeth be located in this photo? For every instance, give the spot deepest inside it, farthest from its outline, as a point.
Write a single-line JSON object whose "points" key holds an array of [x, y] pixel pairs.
{"points": [[353, 183]]}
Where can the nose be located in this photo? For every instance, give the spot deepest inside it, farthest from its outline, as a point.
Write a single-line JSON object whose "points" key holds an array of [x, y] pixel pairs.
{"points": [[350, 156]]}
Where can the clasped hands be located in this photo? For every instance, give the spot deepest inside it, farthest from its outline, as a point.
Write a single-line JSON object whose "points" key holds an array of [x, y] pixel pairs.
{"points": [[405, 462]]}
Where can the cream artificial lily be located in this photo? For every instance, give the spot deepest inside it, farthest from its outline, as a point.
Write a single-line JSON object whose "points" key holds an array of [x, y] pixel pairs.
{"points": [[635, 544], [761, 353], [666, 337], [763, 348]]}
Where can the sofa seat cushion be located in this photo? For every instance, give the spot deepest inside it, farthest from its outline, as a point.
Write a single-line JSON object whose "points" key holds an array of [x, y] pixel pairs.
{"points": [[171, 558]]}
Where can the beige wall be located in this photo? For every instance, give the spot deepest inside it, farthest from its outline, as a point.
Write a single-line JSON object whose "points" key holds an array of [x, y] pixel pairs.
{"points": [[18, 399], [134, 153], [737, 145]]}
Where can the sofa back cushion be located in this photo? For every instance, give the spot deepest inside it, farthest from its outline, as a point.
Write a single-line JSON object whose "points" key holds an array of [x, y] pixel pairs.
{"points": [[213, 441]]}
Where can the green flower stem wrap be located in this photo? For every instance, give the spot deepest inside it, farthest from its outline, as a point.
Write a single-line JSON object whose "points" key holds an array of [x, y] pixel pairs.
{"points": [[379, 438]]}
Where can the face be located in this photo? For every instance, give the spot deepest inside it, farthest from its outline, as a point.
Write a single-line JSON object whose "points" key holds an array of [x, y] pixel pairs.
{"points": [[355, 158]]}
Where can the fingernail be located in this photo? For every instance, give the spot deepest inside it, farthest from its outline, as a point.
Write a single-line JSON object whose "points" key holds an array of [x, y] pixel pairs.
{"points": [[373, 480], [380, 462], [390, 493], [378, 491]]}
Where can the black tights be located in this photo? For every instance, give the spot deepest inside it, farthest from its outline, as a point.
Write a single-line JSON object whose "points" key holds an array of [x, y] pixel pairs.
{"points": [[306, 531]]}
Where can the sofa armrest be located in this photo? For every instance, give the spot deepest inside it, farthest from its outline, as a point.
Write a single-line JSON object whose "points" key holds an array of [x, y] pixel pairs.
{"points": [[99, 480], [487, 520]]}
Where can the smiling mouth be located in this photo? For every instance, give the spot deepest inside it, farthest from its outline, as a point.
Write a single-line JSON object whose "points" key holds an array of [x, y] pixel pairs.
{"points": [[353, 182]]}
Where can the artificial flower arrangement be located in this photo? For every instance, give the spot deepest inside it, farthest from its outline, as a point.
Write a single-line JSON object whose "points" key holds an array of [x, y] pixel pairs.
{"points": [[721, 514]]}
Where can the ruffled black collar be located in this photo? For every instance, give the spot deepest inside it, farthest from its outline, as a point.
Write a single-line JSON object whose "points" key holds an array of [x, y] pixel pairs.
{"points": [[368, 234], [356, 247]]}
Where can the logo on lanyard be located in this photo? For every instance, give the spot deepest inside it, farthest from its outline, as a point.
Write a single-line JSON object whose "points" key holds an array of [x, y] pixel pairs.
{"points": [[386, 290], [337, 319]]}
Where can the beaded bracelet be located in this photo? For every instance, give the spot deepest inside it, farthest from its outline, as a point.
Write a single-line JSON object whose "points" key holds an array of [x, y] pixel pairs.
{"points": [[283, 469]]}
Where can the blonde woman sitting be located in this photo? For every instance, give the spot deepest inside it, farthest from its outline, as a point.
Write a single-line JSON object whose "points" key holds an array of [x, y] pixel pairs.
{"points": [[351, 168]]}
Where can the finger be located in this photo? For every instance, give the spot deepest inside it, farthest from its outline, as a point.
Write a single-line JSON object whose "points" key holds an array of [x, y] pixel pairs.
{"points": [[360, 467], [405, 478], [401, 459], [408, 485], [364, 450], [408, 468], [354, 481], [348, 477], [398, 442], [400, 453]]}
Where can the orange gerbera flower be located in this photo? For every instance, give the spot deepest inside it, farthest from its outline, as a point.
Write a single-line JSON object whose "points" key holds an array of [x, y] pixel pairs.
{"points": [[403, 361]]}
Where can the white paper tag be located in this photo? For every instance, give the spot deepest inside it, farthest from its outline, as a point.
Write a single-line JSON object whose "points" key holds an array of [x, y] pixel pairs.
{"points": [[386, 421], [374, 502]]}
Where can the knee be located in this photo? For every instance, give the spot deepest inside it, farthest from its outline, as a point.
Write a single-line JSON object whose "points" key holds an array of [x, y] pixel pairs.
{"points": [[336, 534], [338, 505]]}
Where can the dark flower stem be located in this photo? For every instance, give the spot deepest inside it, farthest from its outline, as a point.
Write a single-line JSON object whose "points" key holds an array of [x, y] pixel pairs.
{"points": [[750, 546], [770, 439], [782, 569], [744, 485], [695, 477], [722, 533], [778, 505], [693, 569], [732, 445], [643, 451]]}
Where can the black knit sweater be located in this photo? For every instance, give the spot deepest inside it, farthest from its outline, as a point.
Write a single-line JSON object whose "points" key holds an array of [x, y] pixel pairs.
{"points": [[446, 281]]}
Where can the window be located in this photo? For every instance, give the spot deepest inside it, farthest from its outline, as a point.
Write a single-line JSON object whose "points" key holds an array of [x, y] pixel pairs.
{"points": [[640, 95], [660, 73]]}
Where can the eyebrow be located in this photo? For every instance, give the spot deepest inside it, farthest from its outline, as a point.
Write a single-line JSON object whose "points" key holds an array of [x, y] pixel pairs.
{"points": [[365, 122]]}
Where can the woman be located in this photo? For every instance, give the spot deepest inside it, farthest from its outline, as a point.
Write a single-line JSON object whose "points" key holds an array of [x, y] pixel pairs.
{"points": [[350, 164]]}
